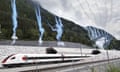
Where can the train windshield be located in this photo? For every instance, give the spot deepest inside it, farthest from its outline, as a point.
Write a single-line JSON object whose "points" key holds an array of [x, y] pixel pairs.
{"points": [[7, 58]]}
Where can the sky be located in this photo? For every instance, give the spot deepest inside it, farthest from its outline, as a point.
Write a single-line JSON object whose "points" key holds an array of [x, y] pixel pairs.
{"points": [[103, 14]]}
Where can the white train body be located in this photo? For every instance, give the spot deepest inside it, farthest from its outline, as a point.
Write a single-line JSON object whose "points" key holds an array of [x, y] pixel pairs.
{"points": [[22, 59]]}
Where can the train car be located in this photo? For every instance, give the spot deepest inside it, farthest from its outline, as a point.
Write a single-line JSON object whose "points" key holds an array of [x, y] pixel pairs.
{"points": [[24, 59]]}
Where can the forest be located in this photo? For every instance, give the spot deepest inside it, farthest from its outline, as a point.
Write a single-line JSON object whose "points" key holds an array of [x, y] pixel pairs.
{"points": [[28, 27]]}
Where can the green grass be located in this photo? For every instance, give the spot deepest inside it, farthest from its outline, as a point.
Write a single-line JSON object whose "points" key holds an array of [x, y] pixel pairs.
{"points": [[93, 70], [113, 69]]}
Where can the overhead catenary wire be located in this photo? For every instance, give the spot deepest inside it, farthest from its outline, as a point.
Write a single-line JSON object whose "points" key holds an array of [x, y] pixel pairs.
{"points": [[91, 11], [81, 6], [98, 8], [110, 18], [109, 11], [106, 10]]}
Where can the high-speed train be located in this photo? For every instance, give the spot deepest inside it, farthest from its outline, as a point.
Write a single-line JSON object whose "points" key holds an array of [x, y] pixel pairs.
{"points": [[23, 59]]}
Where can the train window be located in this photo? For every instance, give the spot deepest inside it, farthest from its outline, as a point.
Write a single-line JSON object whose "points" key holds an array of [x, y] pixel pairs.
{"points": [[7, 58], [12, 58]]}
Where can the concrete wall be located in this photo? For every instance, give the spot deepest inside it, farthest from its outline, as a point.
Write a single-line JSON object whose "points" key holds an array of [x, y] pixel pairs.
{"points": [[45, 43]]}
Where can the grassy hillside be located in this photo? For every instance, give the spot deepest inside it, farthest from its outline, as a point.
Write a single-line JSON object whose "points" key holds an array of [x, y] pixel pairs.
{"points": [[27, 25], [28, 29]]}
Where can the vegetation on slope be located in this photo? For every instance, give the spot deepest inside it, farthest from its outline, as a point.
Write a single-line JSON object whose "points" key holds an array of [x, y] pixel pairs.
{"points": [[27, 25]]}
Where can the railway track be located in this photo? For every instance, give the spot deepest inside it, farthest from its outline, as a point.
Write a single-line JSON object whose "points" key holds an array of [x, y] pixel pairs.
{"points": [[59, 67], [74, 65]]}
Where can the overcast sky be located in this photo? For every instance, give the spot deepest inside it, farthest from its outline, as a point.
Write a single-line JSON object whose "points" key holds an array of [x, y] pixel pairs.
{"points": [[104, 14]]}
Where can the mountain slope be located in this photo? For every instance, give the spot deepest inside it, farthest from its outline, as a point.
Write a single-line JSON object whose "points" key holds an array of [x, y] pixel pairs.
{"points": [[28, 29], [27, 25]]}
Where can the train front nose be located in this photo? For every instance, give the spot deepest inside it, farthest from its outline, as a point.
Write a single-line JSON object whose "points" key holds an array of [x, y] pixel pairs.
{"points": [[4, 61], [7, 58]]}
